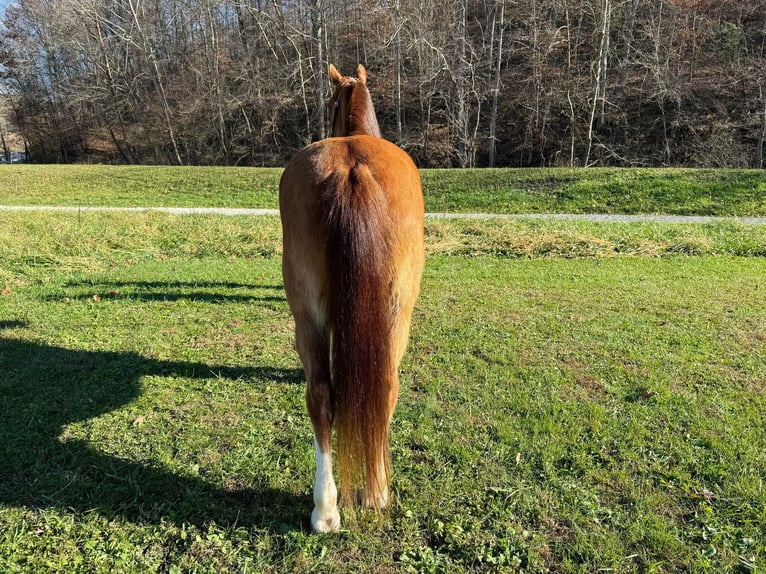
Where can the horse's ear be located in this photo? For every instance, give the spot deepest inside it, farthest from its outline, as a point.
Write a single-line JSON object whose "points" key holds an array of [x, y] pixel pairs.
{"points": [[361, 74], [335, 75]]}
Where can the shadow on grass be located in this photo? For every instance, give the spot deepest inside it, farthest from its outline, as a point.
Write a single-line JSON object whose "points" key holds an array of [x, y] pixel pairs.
{"points": [[44, 388], [202, 291]]}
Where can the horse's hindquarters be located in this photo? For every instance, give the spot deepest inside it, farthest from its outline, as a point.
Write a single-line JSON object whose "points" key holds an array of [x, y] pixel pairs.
{"points": [[352, 220]]}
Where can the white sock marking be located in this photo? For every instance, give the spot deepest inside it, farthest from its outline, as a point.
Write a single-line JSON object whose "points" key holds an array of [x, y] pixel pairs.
{"points": [[325, 516]]}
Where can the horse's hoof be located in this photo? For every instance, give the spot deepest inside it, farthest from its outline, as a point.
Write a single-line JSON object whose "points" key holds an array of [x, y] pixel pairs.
{"points": [[324, 523], [380, 501]]}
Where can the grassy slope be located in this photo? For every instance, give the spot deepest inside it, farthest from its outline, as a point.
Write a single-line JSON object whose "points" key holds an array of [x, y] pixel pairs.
{"points": [[566, 405], [670, 191], [138, 186], [631, 191]]}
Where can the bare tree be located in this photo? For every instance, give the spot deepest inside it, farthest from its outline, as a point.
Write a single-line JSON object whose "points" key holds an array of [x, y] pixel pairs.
{"points": [[762, 136], [498, 81], [599, 91]]}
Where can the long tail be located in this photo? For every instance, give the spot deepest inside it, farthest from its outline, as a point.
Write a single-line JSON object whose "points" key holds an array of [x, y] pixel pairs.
{"points": [[359, 245]]}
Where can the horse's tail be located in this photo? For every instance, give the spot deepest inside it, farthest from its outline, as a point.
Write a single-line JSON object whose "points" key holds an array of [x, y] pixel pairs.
{"points": [[361, 271]]}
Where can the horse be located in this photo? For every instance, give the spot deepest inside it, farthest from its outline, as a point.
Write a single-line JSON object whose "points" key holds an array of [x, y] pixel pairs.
{"points": [[351, 207]]}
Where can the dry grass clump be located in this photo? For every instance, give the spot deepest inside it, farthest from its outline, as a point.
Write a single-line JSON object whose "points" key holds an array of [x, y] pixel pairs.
{"points": [[523, 238]]}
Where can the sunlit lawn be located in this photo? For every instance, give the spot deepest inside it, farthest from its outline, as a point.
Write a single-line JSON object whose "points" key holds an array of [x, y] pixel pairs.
{"points": [[576, 397]]}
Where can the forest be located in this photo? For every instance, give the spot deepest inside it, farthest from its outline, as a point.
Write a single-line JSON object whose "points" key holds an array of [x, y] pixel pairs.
{"points": [[456, 83]]}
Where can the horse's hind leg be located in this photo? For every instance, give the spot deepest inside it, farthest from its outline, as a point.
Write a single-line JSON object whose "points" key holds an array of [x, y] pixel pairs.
{"points": [[313, 349]]}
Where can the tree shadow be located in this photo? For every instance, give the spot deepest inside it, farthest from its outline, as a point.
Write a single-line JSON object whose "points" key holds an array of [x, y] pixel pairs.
{"points": [[44, 388], [203, 291]]}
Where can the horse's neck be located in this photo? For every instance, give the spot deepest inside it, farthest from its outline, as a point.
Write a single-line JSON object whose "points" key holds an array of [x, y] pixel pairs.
{"points": [[362, 119]]}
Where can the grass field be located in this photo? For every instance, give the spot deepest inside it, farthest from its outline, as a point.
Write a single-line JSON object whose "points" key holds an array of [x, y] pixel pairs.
{"points": [[632, 191], [577, 397]]}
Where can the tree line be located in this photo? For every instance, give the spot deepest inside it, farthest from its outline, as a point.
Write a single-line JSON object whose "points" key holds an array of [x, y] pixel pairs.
{"points": [[455, 82]]}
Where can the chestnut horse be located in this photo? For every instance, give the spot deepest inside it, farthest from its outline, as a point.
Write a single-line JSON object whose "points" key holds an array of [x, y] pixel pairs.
{"points": [[352, 226]]}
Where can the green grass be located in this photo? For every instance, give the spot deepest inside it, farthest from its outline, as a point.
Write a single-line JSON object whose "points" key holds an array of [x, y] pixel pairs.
{"points": [[576, 397], [632, 191], [141, 186], [628, 191]]}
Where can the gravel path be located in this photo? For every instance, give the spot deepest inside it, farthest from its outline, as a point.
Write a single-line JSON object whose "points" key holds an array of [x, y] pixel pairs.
{"points": [[608, 218]]}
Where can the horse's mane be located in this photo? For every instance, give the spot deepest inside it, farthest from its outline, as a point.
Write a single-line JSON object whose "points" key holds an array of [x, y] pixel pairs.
{"points": [[362, 119]]}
